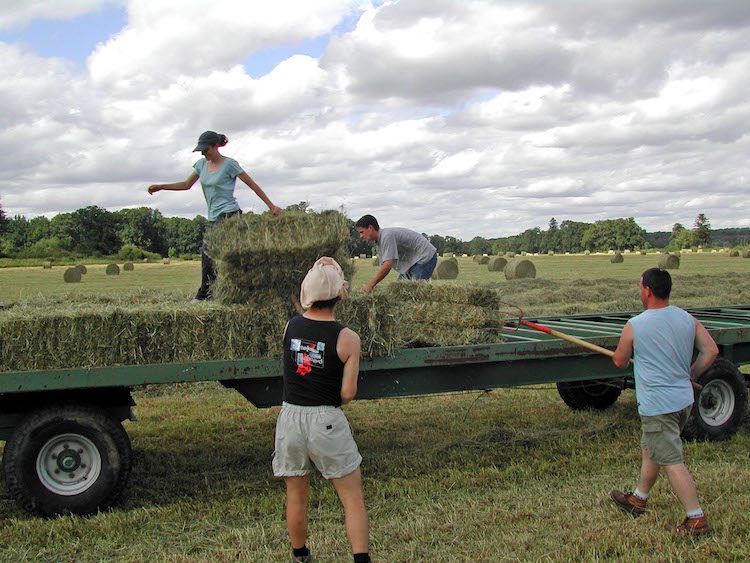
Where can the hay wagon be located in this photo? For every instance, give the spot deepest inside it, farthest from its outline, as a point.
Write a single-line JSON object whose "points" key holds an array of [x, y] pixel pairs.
{"points": [[66, 450]]}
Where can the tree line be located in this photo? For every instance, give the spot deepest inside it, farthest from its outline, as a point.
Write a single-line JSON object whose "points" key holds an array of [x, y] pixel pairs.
{"points": [[137, 232]]}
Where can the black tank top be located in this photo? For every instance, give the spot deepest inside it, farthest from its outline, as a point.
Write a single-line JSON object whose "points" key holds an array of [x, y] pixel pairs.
{"points": [[312, 368]]}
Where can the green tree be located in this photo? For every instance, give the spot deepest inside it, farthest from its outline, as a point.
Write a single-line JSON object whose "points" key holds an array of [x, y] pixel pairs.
{"points": [[39, 228], [93, 231], [702, 230], [302, 207], [618, 234], [479, 245], [185, 235], [143, 227], [3, 220], [571, 236], [16, 233], [438, 242], [61, 227]]}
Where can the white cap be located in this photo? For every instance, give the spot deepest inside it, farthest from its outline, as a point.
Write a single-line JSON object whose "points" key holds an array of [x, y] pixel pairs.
{"points": [[324, 281]]}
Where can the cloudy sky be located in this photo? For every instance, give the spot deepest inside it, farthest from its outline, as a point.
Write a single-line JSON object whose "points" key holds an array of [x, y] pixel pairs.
{"points": [[455, 117]]}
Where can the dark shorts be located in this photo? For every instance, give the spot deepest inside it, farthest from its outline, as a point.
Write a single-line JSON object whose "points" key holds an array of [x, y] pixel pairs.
{"points": [[660, 436]]}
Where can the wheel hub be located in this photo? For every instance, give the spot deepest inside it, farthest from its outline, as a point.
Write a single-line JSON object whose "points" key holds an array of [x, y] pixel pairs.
{"points": [[716, 403], [68, 464]]}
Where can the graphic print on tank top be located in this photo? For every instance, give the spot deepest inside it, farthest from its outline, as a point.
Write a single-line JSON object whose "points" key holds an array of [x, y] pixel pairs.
{"points": [[308, 354]]}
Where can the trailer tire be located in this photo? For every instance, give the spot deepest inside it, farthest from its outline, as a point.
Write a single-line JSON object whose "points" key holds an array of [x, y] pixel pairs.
{"points": [[593, 394], [720, 405], [67, 459]]}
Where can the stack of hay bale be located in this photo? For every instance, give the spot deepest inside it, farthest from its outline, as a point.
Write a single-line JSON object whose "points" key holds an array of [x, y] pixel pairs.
{"points": [[261, 262]]}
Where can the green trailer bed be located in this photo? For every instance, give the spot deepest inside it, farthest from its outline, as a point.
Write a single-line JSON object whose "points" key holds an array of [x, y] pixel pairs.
{"points": [[67, 452]]}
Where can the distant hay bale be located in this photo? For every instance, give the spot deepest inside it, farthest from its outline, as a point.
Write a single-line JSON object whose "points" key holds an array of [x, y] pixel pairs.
{"points": [[81, 268], [72, 275], [113, 270], [476, 257], [734, 253], [617, 258], [128, 266], [519, 268], [511, 255], [165, 260], [550, 253], [587, 252], [47, 265], [375, 261], [746, 253], [266, 253], [669, 262], [484, 260], [643, 252], [497, 264], [453, 259], [446, 270]]}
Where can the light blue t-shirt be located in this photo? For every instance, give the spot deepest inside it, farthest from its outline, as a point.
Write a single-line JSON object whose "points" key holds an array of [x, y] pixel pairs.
{"points": [[663, 341], [218, 187]]}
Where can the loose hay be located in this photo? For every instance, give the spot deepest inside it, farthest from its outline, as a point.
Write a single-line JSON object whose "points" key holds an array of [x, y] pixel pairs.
{"points": [[72, 275], [128, 266], [617, 258], [446, 270], [113, 270], [669, 262], [497, 264], [519, 268]]}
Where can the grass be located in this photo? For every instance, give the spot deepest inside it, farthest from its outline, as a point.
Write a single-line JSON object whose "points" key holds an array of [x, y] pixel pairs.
{"points": [[506, 475]]}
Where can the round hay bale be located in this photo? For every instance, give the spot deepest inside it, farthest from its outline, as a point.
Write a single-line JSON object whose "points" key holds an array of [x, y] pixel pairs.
{"points": [[734, 253], [72, 275], [165, 261], [128, 266], [375, 261], [617, 258], [550, 253], [145, 260], [113, 270], [746, 253], [497, 264], [452, 259], [484, 260], [447, 270], [516, 269], [47, 265], [669, 262], [81, 268], [587, 252], [643, 252], [476, 257]]}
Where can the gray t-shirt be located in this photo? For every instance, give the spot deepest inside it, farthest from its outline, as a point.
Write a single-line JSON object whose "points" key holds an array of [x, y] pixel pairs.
{"points": [[403, 247]]}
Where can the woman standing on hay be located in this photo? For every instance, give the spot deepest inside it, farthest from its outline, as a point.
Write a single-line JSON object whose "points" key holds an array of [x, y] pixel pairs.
{"points": [[218, 175]]}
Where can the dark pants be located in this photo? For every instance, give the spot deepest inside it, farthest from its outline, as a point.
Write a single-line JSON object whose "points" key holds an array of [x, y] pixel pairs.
{"points": [[208, 268]]}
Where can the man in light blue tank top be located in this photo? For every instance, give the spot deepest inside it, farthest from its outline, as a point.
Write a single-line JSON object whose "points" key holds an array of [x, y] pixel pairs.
{"points": [[662, 339]]}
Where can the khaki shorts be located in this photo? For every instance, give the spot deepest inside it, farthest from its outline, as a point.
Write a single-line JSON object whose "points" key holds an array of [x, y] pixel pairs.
{"points": [[660, 436], [314, 437]]}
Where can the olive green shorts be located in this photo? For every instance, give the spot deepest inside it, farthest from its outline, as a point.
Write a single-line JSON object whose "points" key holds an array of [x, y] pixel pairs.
{"points": [[660, 436]]}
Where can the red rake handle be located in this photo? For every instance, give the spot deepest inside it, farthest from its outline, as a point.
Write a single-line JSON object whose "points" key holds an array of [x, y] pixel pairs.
{"points": [[589, 345], [568, 337]]}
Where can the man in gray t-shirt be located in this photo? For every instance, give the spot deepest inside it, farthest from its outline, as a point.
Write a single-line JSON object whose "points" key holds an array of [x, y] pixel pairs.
{"points": [[404, 250]]}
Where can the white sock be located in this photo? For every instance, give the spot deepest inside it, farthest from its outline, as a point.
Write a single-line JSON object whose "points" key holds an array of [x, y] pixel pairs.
{"points": [[697, 513], [639, 494]]}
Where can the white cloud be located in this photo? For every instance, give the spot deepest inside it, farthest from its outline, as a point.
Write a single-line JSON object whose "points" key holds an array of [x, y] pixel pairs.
{"points": [[15, 13], [459, 118]]}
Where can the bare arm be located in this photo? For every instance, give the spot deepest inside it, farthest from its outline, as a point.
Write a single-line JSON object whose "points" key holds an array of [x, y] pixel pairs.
{"points": [[245, 177], [348, 349], [707, 351], [384, 270], [621, 357], [177, 186]]}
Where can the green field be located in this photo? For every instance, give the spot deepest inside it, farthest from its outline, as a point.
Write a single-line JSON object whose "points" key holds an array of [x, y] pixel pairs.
{"points": [[506, 475]]}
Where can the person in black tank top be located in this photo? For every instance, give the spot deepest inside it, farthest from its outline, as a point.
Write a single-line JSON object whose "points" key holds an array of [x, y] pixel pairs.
{"points": [[321, 366]]}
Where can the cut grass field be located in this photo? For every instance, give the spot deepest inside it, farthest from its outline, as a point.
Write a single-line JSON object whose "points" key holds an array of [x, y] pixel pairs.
{"points": [[506, 475]]}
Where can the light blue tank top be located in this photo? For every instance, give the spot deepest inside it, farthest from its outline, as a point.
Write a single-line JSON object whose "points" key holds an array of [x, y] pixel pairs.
{"points": [[218, 186], [663, 351]]}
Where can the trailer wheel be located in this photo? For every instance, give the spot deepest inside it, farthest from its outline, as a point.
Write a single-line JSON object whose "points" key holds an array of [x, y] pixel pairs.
{"points": [[720, 405], [593, 394], [69, 459]]}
